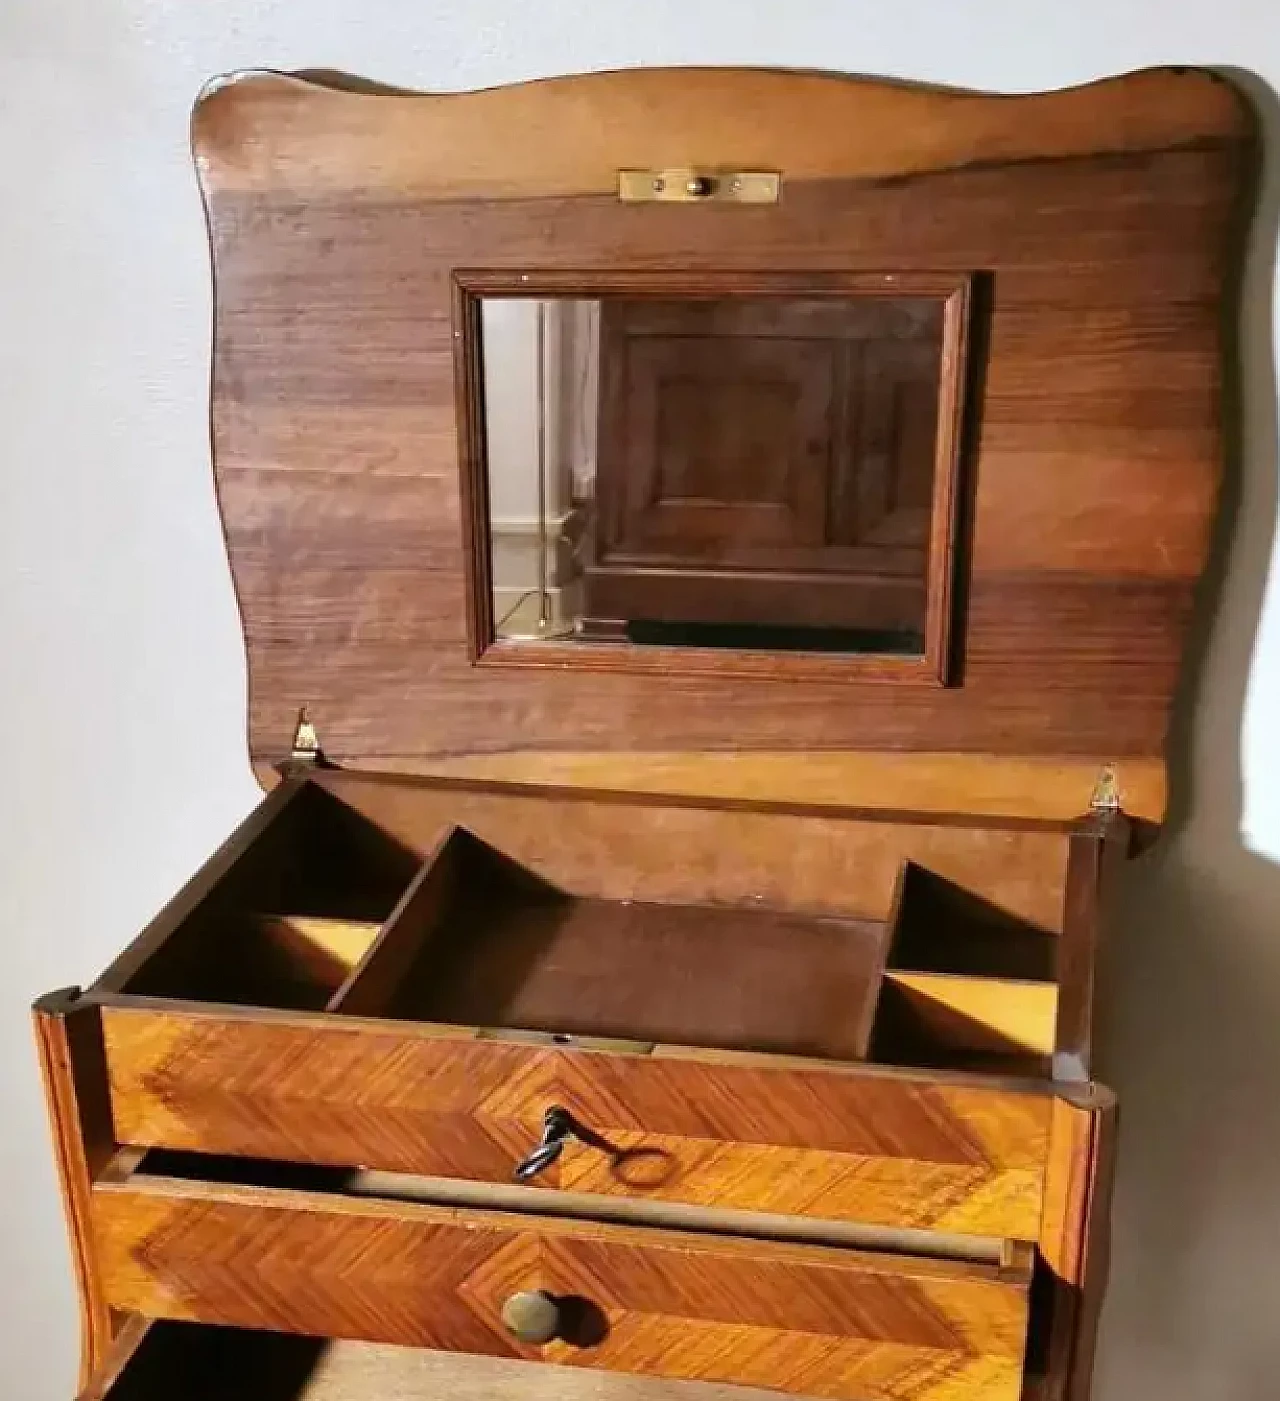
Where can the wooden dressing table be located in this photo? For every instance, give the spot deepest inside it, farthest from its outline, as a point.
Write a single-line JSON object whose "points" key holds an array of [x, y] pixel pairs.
{"points": [[679, 1012]]}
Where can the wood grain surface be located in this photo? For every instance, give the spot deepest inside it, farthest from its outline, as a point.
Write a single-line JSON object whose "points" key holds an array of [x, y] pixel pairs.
{"points": [[807, 1319], [1102, 221], [982, 785], [615, 846], [791, 1137], [69, 1044]]}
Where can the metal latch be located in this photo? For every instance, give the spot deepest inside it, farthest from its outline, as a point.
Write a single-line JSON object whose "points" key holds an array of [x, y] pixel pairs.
{"points": [[689, 185]]}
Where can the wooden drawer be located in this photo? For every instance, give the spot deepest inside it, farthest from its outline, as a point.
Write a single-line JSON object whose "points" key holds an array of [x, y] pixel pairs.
{"points": [[409, 977], [834, 1142], [809, 1319]]}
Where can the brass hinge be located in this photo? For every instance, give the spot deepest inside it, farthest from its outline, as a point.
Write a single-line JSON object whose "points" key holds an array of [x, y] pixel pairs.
{"points": [[684, 185], [1106, 797], [306, 743]]}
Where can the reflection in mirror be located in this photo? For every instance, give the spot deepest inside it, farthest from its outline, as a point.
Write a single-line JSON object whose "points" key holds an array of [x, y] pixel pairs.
{"points": [[747, 472]]}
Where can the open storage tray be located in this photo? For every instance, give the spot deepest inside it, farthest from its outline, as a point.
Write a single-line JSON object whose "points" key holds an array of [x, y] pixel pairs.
{"points": [[408, 974]]}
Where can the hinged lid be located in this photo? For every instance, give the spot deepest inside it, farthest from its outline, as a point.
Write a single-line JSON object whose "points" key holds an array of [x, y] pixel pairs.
{"points": [[1096, 227]]}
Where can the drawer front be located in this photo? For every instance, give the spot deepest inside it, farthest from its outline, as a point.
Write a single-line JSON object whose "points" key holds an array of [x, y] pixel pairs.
{"points": [[845, 1144], [810, 1320]]}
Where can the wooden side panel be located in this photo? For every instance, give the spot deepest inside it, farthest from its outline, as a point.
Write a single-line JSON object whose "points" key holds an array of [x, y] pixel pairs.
{"points": [[840, 1143], [810, 1320], [69, 1042], [1102, 221], [1075, 1234]]}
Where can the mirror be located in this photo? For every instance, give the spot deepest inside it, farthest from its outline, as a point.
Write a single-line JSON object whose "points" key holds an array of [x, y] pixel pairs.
{"points": [[746, 473]]}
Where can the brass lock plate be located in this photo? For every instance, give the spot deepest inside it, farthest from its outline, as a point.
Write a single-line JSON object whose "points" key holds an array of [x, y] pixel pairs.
{"points": [[687, 185]]}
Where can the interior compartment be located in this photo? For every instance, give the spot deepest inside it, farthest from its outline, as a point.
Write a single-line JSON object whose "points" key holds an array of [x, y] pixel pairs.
{"points": [[985, 1024], [947, 980], [966, 985], [291, 917], [490, 944], [944, 928], [508, 911]]}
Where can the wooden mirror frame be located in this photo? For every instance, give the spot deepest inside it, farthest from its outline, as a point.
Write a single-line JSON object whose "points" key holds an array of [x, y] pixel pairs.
{"points": [[929, 667]]}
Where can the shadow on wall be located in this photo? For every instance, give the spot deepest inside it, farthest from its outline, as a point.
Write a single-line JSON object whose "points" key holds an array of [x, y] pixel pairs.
{"points": [[1191, 1018]]}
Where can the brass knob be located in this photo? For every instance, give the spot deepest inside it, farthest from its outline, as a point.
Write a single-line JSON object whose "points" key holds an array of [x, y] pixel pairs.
{"points": [[531, 1316]]}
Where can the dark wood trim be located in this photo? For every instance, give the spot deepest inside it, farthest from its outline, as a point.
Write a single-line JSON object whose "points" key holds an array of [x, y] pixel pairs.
{"points": [[1095, 855], [469, 413]]}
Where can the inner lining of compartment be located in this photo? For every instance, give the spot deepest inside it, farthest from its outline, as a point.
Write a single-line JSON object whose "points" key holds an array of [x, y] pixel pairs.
{"points": [[490, 944], [291, 918], [332, 908], [947, 980], [966, 985]]}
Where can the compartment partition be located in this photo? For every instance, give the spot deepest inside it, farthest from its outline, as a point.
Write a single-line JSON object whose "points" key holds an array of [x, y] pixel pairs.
{"points": [[966, 985], [481, 941], [516, 930]]}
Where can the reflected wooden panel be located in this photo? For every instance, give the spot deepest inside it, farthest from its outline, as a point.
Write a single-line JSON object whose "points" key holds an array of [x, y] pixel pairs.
{"points": [[730, 467], [789, 440]]}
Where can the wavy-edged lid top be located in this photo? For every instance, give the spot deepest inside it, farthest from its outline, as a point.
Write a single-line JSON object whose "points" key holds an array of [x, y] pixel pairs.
{"points": [[1101, 223]]}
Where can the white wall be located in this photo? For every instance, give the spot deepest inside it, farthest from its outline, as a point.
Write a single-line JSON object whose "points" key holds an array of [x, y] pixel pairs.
{"points": [[122, 689]]}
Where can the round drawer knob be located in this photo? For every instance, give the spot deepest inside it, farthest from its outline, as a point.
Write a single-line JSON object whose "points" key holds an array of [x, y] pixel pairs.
{"points": [[531, 1316]]}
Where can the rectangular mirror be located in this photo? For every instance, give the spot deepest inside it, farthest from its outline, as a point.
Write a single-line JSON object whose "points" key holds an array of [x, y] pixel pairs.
{"points": [[702, 476]]}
